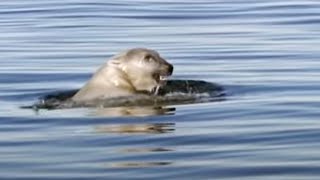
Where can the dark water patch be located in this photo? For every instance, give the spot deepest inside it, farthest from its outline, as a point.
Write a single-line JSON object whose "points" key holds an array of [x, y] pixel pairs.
{"points": [[174, 92], [310, 21]]}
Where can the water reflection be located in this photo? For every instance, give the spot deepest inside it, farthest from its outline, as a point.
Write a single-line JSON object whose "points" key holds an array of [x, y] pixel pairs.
{"points": [[129, 155], [139, 164], [145, 149], [134, 111], [156, 128]]}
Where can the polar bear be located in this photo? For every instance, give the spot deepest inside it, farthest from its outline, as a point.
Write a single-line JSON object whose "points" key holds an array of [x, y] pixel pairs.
{"points": [[134, 71]]}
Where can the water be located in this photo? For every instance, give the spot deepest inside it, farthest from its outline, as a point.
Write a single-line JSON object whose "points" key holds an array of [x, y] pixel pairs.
{"points": [[265, 53]]}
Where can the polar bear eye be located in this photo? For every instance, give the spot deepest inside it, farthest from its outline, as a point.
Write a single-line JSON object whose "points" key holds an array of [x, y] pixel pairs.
{"points": [[148, 58]]}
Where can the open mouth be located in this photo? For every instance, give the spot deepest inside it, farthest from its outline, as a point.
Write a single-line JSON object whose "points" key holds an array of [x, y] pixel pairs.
{"points": [[161, 78]]}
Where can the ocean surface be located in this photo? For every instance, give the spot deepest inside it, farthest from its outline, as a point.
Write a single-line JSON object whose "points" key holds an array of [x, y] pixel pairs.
{"points": [[265, 53]]}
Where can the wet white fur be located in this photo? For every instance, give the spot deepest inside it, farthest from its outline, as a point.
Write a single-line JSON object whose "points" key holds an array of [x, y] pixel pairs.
{"points": [[125, 74]]}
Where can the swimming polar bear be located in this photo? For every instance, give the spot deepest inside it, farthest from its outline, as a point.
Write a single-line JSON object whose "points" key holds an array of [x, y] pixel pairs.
{"points": [[135, 71]]}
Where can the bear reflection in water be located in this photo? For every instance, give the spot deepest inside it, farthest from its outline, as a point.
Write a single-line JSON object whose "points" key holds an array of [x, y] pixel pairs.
{"points": [[134, 111], [154, 128]]}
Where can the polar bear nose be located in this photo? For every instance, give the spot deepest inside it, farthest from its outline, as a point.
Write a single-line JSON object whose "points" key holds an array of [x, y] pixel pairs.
{"points": [[170, 69]]}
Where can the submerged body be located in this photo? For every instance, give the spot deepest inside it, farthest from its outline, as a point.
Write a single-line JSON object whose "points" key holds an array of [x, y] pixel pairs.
{"points": [[132, 72], [172, 93]]}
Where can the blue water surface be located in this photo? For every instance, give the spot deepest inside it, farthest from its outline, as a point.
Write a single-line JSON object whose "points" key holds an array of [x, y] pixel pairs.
{"points": [[265, 53]]}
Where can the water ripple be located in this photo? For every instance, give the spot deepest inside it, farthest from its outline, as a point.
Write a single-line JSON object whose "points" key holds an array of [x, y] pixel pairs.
{"points": [[265, 54]]}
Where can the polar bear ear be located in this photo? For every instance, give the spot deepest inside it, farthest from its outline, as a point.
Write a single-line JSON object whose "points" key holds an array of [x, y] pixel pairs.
{"points": [[114, 61], [118, 58], [117, 61]]}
